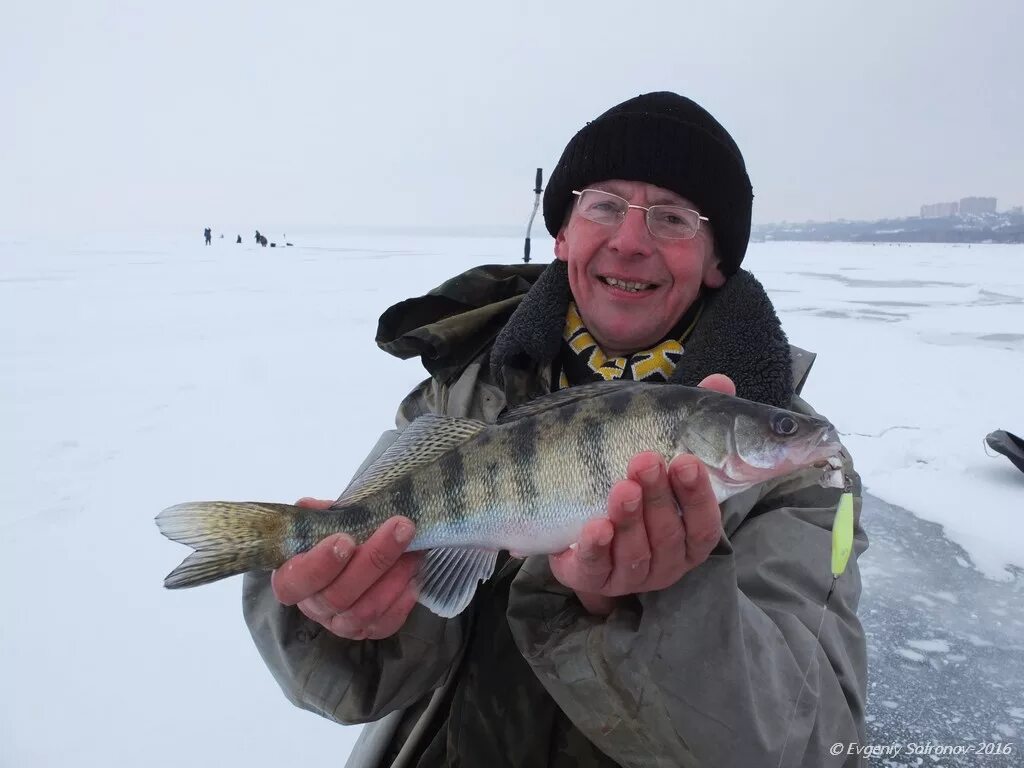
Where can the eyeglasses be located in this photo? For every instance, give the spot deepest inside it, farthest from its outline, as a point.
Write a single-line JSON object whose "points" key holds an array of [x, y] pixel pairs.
{"points": [[671, 222]]}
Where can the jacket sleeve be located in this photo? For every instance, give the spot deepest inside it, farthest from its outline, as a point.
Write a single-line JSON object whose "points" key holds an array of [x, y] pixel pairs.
{"points": [[344, 680], [710, 670]]}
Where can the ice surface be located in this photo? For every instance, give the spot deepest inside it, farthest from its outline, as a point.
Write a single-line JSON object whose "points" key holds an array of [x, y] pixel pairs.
{"points": [[929, 646], [136, 374]]}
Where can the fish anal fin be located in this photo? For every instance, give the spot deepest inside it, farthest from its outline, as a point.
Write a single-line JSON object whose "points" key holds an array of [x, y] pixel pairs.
{"points": [[448, 577]]}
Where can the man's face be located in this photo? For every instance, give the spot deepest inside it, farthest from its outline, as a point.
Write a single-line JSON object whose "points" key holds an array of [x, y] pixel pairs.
{"points": [[672, 271]]}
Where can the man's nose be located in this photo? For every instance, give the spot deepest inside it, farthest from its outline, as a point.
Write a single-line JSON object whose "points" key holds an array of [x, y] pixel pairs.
{"points": [[633, 236]]}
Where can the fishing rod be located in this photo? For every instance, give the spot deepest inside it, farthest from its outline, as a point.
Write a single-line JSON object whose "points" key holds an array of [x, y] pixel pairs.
{"points": [[536, 204]]}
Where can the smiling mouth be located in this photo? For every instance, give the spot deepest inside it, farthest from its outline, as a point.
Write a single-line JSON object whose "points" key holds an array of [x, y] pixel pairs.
{"points": [[627, 285]]}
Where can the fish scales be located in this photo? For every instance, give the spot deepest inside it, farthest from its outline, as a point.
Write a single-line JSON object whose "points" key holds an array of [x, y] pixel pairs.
{"points": [[497, 500], [479, 511], [540, 488], [539, 485]]}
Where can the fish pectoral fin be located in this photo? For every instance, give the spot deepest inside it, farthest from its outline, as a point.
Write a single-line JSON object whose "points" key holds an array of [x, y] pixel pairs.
{"points": [[425, 440], [448, 577]]}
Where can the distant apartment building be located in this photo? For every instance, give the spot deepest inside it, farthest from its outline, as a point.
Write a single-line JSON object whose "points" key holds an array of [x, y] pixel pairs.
{"points": [[939, 210], [978, 205]]}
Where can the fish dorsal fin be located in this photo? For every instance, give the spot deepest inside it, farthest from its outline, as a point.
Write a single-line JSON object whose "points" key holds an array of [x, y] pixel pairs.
{"points": [[422, 442], [449, 577], [564, 397]]}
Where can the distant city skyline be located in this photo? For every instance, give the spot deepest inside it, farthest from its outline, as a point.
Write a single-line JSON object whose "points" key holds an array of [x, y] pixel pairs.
{"points": [[965, 205]]}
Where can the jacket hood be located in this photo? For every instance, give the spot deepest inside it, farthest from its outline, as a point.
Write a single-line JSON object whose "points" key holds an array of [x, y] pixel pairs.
{"points": [[452, 324]]}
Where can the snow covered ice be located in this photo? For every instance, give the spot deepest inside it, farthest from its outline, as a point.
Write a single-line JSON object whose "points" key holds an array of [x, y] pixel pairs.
{"points": [[136, 373]]}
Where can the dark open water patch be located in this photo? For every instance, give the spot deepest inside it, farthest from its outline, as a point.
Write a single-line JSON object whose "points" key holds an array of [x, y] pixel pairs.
{"points": [[945, 644], [1012, 337]]}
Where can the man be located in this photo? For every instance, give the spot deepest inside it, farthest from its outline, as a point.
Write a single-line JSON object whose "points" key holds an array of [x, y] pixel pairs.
{"points": [[660, 639]]}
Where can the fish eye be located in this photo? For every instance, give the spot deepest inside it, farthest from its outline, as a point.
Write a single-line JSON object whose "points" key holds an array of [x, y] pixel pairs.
{"points": [[784, 424]]}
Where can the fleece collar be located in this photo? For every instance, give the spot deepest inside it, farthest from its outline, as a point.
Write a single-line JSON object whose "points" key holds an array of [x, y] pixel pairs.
{"points": [[739, 335]]}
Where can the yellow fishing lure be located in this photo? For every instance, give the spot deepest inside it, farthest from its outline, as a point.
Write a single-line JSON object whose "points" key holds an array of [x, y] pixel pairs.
{"points": [[842, 534]]}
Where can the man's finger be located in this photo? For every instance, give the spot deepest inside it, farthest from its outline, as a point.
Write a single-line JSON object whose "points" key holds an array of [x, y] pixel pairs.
{"points": [[394, 618], [304, 575], [311, 611], [308, 501], [631, 549], [648, 470], [381, 595], [586, 566], [702, 517], [374, 558], [719, 382]]}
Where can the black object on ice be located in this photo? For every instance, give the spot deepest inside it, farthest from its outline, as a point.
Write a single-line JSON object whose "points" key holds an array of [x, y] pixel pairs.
{"points": [[1011, 446], [537, 189]]}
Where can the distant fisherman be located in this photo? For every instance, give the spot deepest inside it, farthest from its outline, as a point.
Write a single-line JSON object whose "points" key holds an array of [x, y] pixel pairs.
{"points": [[659, 638]]}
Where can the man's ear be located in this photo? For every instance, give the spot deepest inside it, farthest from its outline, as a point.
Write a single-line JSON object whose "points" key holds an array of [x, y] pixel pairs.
{"points": [[713, 277], [561, 246]]}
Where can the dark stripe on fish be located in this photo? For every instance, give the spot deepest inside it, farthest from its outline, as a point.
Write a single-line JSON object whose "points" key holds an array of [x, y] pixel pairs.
{"points": [[358, 521], [403, 498], [522, 439], [491, 481], [591, 451], [566, 413], [666, 399], [453, 482], [304, 533], [618, 403]]}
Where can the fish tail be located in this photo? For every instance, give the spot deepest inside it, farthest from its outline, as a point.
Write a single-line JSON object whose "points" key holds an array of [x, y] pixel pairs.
{"points": [[229, 538]]}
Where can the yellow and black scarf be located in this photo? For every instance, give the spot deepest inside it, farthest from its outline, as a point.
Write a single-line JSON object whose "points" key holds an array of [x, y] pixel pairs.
{"points": [[581, 360]]}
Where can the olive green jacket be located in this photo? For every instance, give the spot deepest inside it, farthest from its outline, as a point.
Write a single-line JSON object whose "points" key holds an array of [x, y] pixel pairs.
{"points": [[707, 672]]}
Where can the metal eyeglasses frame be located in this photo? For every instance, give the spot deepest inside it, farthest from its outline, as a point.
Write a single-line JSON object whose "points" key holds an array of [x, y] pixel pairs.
{"points": [[647, 211]]}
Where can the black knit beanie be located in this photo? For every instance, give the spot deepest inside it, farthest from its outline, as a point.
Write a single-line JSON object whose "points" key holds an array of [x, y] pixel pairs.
{"points": [[672, 142]]}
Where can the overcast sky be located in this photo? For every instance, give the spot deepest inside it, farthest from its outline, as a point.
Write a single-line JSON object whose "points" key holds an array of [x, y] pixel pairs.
{"points": [[321, 115]]}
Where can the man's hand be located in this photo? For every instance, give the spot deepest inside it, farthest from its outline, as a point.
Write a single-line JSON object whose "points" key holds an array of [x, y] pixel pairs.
{"points": [[644, 544], [357, 592]]}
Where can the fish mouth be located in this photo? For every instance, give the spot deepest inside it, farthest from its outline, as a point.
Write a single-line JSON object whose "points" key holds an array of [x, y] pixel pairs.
{"points": [[832, 475], [831, 462], [828, 449]]}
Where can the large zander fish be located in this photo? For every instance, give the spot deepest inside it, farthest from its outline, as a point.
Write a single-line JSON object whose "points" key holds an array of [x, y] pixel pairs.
{"points": [[526, 484]]}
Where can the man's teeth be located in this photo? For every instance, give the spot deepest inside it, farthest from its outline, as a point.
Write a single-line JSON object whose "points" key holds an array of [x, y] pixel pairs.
{"points": [[634, 287]]}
